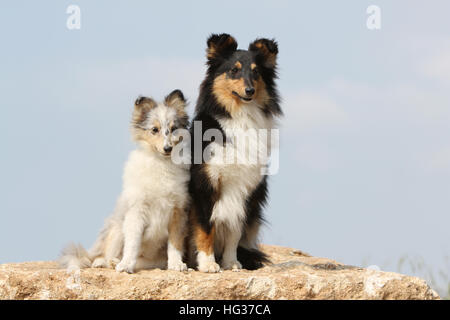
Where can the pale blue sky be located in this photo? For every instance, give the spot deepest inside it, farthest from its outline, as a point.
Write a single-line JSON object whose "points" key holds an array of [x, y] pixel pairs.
{"points": [[365, 144]]}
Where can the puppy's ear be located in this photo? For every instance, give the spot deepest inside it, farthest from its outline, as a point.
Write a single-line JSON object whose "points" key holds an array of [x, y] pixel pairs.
{"points": [[220, 45], [266, 50], [176, 100], [142, 106]]}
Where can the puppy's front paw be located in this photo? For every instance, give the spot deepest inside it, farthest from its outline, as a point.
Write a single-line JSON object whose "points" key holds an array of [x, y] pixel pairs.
{"points": [[208, 266], [125, 266], [231, 265], [177, 266], [99, 263], [112, 263]]}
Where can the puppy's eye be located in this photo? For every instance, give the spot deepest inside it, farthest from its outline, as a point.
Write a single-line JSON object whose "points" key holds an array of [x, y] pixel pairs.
{"points": [[173, 129], [155, 130], [234, 70], [255, 73]]}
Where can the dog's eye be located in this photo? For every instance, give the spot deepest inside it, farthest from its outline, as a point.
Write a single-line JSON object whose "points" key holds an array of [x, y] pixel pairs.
{"points": [[234, 70], [155, 130], [255, 73], [173, 129]]}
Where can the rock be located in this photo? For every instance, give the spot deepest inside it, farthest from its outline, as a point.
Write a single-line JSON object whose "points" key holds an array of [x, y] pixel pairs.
{"points": [[293, 274]]}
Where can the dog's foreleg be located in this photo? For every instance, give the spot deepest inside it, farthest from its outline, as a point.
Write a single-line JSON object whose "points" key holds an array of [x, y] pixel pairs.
{"points": [[133, 227], [204, 241], [205, 190], [175, 247], [229, 257]]}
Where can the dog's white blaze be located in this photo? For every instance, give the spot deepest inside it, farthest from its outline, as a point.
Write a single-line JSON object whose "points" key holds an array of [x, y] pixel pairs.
{"points": [[164, 116]]}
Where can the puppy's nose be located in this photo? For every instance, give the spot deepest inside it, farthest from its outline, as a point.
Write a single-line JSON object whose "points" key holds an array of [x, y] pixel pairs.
{"points": [[167, 149], [249, 91]]}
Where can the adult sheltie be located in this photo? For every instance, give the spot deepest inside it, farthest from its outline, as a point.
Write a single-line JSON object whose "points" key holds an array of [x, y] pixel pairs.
{"points": [[238, 94]]}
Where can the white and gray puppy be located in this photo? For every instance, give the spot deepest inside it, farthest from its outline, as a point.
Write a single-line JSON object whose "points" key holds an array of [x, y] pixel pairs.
{"points": [[148, 227]]}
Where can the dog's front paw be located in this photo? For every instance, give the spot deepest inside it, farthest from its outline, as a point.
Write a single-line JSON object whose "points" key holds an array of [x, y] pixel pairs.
{"points": [[125, 266], [99, 263], [112, 263], [208, 266], [232, 265], [177, 266]]}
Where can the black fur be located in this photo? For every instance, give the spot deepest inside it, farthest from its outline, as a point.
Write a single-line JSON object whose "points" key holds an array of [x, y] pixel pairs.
{"points": [[251, 259]]}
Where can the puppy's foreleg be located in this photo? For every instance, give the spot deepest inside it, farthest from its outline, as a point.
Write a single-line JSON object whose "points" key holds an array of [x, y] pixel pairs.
{"points": [[133, 227], [177, 234], [114, 246]]}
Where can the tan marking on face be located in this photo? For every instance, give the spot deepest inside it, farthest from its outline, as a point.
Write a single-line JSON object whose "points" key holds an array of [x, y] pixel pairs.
{"points": [[177, 229], [211, 52], [204, 241], [223, 88], [156, 141], [156, 124], [253, 66], [261, 95], [153, 140], [238, 65]]}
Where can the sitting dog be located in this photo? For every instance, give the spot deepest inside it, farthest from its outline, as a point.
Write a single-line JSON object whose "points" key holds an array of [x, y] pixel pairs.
{"points": [[148, 226], [238, 94]]}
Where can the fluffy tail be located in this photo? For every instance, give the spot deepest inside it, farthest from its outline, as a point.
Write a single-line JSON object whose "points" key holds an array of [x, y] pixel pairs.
{"points": [[74, 256], [251, 259]]}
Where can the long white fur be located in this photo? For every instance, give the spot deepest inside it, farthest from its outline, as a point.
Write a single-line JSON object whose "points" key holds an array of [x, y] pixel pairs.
{"points": [[136, 235]]}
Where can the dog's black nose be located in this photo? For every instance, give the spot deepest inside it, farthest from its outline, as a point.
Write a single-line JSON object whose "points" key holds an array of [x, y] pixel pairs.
{"points": [[167, 149], [249, 91]]}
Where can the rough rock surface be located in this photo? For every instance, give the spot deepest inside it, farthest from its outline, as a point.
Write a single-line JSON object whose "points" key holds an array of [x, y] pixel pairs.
{"points": [[293, 275]]}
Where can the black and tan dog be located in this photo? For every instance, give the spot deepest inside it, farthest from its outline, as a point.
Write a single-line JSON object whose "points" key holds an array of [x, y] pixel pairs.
{"points": [[238, 93]]}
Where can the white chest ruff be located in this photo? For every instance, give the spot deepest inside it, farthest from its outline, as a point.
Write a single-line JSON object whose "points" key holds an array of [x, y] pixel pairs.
{"points": [[157, 188], [239, 175]]}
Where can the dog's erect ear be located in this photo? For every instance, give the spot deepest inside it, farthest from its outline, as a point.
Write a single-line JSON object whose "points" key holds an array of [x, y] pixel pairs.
{"points": [[267, 50], [220, 45], [144, 102], [176, 100], [142, 106]]}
